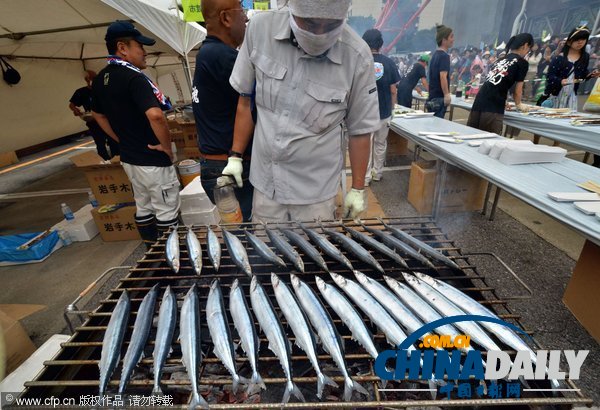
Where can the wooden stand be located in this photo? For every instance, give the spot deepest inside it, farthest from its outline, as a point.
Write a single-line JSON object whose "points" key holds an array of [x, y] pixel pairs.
{"points": [[582, 294]]}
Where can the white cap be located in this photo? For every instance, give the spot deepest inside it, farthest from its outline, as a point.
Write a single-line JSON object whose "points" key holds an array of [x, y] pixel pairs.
{"points": [[325, 9]]}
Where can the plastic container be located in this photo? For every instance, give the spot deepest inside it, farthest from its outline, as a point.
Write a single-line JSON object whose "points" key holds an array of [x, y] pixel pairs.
{"points": [[67, 212], [93, 200], [188, 170], [226, 202], [65, 238]]}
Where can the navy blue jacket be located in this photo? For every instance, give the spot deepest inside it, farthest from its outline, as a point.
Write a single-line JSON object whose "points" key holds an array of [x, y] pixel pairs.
{"points": [[559, 69]]}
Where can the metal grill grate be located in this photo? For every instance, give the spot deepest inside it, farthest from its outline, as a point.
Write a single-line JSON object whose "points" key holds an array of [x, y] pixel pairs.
{"points": [[74, 371]]}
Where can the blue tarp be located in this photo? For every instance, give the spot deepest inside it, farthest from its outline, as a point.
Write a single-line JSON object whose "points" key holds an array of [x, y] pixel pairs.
{"points": [[38, 251]]}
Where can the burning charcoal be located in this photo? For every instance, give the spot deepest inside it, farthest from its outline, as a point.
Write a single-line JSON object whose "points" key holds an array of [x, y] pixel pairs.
{"points": [[205, 389], [214, 370], [217, 396], [330, 369], [180, 377], [332, 397], [253, 399]]}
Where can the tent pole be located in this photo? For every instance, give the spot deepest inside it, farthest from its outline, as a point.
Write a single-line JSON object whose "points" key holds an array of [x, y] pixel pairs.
{"points": [[186, 64], [187, 71]]}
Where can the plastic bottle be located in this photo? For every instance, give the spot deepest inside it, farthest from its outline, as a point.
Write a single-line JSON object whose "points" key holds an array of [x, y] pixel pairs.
{"points": [[226, 202], [93, 200], [65, 237], [460, 88], [67, 212]]}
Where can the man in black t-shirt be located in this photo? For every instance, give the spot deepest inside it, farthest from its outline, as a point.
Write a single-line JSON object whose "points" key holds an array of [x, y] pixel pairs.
{"points": [[439, 73], [82, 97], [215, 101], [387, 77], [128, 107], [408, 83]]}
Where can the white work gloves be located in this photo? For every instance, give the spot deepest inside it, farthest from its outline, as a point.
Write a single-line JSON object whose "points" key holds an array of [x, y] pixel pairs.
{"points": [[522, 107], [234, 168], [447, 99], [355, 203]]}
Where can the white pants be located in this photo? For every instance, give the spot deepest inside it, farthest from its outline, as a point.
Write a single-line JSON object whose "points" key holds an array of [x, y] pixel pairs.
{"points": [[378, 148], [266, 210], [155, 190]]}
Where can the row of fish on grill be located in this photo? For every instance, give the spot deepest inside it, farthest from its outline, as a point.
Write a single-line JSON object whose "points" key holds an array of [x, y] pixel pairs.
{"points": [[396, 309], [395, 245]]}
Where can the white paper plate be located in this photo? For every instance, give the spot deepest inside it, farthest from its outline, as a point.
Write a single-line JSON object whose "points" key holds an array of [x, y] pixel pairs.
{"points": [[574, 196], [589, 208], [417, 115]]}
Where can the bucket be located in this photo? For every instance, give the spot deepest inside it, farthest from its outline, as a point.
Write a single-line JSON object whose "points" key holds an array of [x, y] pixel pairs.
{"points": [[188, 170]]}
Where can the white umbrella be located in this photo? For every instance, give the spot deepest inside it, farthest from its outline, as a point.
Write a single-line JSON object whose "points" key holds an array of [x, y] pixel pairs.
{"points": [[163, 18]]}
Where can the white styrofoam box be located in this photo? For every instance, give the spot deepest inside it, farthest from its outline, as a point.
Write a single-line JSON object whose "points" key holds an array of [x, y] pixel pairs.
{"points": [[499, 146], [515, 154], [210, 217], [82, 227], [589, 208], [194, 199], [193, 188], [487, 147]]}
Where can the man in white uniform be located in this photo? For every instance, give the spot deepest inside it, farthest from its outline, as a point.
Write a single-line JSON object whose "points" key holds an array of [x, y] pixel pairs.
{"points": [[314, 80]]}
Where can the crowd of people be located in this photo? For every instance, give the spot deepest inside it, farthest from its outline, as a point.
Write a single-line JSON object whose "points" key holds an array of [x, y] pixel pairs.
{"points": [[470, 65], [277, 100]]}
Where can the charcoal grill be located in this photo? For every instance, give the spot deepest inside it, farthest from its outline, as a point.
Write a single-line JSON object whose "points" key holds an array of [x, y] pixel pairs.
{"points": [[74, 371]]}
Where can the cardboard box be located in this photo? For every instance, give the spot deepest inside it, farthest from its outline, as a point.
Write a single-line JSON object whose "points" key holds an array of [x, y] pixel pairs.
{"points": [[190, 140], [397, 145], [108, 182], [173, 125], [8, 158], [581, 296], [118, 225], [177, 138], [188, 130], [462, 192], [18, 346], [191, 153]]}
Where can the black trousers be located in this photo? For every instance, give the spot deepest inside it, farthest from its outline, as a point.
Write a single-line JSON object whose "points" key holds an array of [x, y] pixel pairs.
{"points": [[486, 121], [102, 140]]}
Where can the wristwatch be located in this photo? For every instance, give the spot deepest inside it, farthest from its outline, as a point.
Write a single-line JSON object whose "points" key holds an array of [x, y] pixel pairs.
{"points": [[235, 154]]}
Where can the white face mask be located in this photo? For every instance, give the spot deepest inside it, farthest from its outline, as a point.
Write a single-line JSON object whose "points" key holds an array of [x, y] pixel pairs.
{"points": [[315, 44]]}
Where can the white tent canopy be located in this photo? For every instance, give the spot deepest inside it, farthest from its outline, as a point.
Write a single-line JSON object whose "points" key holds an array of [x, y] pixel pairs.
{"points": [[163, 19], [51, 43]]}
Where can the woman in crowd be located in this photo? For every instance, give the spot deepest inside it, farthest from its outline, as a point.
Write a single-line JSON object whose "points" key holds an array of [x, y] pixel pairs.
{"points": [[542, 71], [533, 59], [568, 69], [487, 113]]}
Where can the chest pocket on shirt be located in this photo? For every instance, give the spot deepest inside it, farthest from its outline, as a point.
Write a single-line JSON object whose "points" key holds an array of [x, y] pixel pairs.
{"points": [[269, 79], [324, 107]]}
